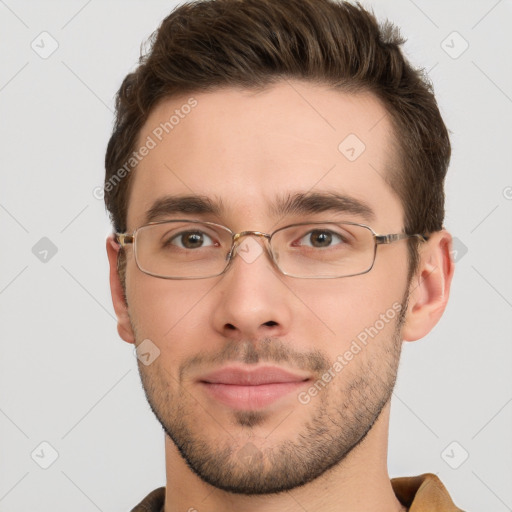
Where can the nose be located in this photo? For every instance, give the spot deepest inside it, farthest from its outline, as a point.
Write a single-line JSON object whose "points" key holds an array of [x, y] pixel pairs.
{"points": [[251, 300]]}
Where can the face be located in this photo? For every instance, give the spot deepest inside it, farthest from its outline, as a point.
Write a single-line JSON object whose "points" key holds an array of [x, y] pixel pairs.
{"points": [[265, 381]]}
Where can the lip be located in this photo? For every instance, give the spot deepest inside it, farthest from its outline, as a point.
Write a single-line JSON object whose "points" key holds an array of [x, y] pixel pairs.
{"points": [[242, 388]]}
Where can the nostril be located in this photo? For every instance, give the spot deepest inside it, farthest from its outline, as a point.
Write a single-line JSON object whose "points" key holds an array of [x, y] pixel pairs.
{"points": [[270, 323], [231, 327]]}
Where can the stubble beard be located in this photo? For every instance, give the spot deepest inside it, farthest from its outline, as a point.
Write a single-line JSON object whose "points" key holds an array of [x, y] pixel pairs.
{"points": [[342, 415]]}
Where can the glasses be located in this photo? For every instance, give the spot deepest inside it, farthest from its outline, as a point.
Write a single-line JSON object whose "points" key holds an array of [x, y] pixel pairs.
{"points": [[192, 249]]}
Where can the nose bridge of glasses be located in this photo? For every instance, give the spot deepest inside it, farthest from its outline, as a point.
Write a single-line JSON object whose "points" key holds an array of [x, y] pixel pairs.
{"points": [[239, 237], [260, 234]]}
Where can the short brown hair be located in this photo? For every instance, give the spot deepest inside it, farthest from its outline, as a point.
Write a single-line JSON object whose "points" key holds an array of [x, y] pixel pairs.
{"points": [[208, 44]]}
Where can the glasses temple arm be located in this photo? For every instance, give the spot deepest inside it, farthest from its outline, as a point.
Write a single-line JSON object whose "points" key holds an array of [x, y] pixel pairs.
{"points": [[123, 239], [388, 239]]}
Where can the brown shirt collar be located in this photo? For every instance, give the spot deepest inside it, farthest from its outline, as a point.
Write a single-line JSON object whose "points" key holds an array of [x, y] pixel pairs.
{"points": [[423, 493]]}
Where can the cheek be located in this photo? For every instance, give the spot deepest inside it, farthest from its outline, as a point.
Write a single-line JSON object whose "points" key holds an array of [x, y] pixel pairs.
{"points": [[163, 310], [345, 309]]}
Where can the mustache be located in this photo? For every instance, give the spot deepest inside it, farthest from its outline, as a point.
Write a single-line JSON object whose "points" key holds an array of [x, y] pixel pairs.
{"points": [[268, 350]]}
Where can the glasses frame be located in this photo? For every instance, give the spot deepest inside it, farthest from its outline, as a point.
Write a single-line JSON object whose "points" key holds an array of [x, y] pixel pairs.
{"points": [[124, 239]]}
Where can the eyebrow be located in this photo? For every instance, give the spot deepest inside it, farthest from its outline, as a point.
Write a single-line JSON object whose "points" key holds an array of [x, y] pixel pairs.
{"points": [[296, 204], [319, 202], [190, 204]]}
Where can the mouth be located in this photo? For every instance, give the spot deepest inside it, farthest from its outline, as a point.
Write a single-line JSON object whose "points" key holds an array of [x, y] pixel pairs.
{"points": [[248, 389]]}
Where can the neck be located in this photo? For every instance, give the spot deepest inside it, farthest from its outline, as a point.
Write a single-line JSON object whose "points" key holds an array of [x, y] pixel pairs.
{"points": [[359, 483]]}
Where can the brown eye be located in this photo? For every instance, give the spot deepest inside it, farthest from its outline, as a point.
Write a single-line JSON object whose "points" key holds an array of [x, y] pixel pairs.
{"points": [[320, 238], [191, 240]]}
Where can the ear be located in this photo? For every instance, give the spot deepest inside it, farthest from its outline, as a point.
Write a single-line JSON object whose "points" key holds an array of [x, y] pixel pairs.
{"points": [[430, 286], [124, 327]]}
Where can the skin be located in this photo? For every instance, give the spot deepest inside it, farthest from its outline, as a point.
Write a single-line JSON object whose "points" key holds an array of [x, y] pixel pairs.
{"points": [[243, 148]]}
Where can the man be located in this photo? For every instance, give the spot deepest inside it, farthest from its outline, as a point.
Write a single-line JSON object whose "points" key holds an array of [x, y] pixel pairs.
{"points": [[275, 182]]}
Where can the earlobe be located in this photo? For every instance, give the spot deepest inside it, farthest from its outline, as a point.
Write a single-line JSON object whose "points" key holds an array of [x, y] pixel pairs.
{"points": [[430, 287], [124, 327]]}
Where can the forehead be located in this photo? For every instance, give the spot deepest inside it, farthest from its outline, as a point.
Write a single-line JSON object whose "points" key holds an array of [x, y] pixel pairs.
{"points": [[245, 148]]}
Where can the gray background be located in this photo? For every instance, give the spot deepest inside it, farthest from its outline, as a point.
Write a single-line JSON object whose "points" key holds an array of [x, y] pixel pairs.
{"points": [[68, 380]]}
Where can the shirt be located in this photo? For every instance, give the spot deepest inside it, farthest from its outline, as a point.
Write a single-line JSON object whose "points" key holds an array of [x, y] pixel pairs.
{"points": [[423, 493]]}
